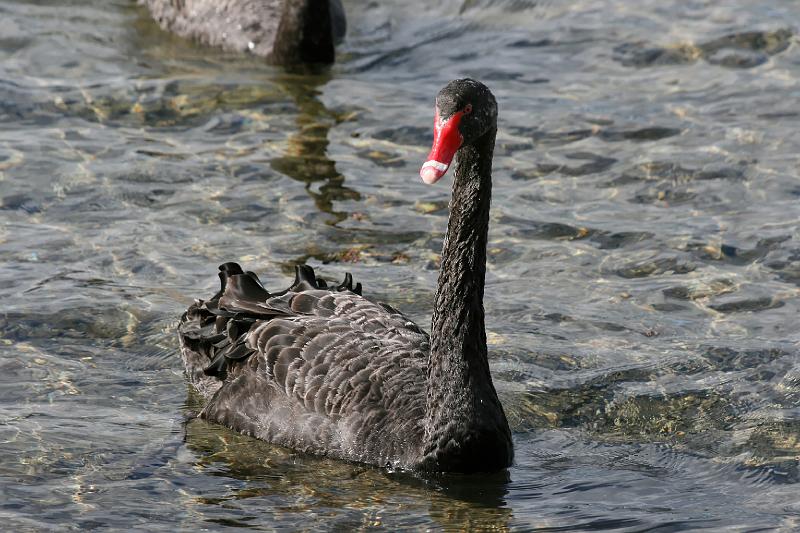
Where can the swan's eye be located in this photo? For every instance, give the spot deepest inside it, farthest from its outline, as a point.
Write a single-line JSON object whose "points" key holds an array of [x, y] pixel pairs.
{"points": [[468, 109]]}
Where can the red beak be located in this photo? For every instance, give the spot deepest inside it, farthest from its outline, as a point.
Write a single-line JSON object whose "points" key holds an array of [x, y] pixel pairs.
{"points": [[446, 142]]}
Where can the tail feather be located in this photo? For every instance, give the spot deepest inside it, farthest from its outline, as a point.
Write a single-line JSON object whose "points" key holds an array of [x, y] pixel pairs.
{"points": [[213, 332]]}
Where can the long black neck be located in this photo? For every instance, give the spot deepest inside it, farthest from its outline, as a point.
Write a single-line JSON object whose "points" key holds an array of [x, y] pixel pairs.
{"points": [[305, 33], [464, 415]]}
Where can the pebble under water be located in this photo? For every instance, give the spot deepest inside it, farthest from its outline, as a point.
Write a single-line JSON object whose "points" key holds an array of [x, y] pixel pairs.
{"points": [[643, 284]]}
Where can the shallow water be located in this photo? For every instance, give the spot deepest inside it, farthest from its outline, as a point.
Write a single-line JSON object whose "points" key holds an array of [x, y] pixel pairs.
{"points": [[642, 292]]}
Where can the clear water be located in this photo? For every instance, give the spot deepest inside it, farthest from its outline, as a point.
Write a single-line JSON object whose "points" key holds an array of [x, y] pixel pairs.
{"points": [[643, 285]]}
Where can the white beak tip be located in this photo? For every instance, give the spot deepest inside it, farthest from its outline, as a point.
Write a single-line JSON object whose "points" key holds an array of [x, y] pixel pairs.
{"points": [[431, 171], [429, 175]]}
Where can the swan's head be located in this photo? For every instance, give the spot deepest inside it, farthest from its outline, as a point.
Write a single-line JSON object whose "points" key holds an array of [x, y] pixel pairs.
{"points": [[465, 110]]}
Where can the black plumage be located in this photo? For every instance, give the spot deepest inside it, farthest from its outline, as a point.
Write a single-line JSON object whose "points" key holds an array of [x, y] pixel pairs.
{"points": [[326, 371], [312, 368], [284, 32]]}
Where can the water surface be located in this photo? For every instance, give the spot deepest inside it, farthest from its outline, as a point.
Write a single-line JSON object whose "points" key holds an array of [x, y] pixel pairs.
{"points": [[643, 283]]}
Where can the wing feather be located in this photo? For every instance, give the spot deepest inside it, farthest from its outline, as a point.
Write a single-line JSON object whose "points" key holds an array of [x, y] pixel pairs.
{"points": [[320, 353]]}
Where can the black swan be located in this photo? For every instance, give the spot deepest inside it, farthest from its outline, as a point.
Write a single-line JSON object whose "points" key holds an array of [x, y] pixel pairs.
{"points": [[324, 370], [282, 31]]}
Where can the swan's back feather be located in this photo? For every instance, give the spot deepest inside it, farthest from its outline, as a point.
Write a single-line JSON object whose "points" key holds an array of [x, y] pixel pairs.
{"points": [[236, 25], [251, 26], [314, 368]]}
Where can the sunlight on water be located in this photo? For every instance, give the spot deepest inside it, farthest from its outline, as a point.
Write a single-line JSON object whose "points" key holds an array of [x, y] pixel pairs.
{"points": [[642, 289]]}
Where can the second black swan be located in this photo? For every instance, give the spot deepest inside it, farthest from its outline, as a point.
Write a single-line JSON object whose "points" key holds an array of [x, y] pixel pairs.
{"points": [[284, 32], [325, 371]]}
